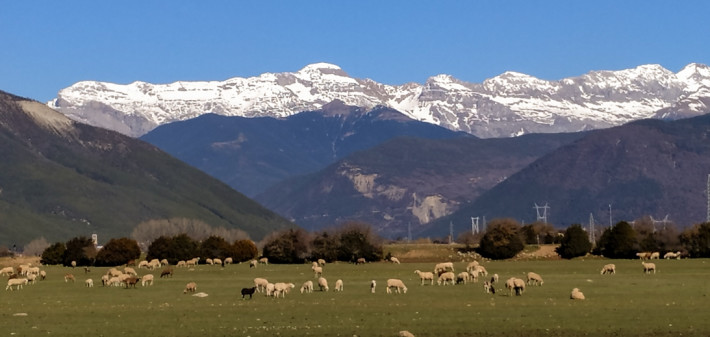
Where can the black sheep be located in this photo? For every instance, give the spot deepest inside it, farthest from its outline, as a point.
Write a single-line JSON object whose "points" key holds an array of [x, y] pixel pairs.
{"points": [[248, 291]]}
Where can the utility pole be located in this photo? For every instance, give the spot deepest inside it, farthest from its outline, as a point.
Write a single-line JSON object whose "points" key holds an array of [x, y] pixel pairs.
{"points": [[610, 224]]}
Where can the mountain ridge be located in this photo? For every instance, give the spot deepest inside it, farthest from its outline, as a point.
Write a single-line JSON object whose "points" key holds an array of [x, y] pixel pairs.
{"points": [[507, 105]]}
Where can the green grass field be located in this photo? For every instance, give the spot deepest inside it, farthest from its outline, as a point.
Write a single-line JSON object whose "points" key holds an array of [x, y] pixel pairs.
{"points": [[673, 302]]}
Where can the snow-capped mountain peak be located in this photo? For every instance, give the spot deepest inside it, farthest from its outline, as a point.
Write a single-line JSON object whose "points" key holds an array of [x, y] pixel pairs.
{"points": [[509, 104]]}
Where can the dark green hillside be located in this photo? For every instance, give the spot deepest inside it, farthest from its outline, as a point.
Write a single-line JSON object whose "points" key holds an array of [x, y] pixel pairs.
{"points": [[406, 181], [60, 179], [649, 167]]}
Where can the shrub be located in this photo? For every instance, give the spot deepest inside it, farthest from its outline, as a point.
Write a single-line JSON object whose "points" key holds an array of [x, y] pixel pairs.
{"points": [[244, 250], [80, 249], [696, 240], [215, 247], [501, 240], [574, 243], [117, 252], [288, 246], [356, 240], [618, 242]]}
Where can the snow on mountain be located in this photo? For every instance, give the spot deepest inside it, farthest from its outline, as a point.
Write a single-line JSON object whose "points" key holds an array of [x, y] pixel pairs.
{"points": [[507, 105]]}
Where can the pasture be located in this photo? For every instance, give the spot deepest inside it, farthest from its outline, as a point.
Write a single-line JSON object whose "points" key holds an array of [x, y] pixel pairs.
{"points": [[672, 302]]}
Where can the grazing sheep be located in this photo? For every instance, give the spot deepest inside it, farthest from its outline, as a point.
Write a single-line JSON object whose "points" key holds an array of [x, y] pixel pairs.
{"points": [[115, 281], [73, 264], [217, 262], [360, 261], [253, 263], [190, 287], [314, 264], [228, 260], [321, 262], [104, 280], [181, 263], [473, 275], [7, 271], [443, 267], [307, 287], [209, 261], [394, 260], [318, 271], [648, 267], [576, 294], [672, 255], [405, 333], [270, 287], [608, 269], [68, 277], [338, 285], [534, 279], [89, 283], [132, 281], [282, 288], [446, 278], [248, 291], [515, 284], [130, 271], [31, 278], [462, 277], [166, 272], [260, 284], [425, 276], [643, 255], [113, 272], [164, 262], [471, 266], [264, 260], [17, 282], [373, 284], [323, 284], [147, 278], [143, 264], [192, 262], [154, 263], [396, 284], [42, 274], [479, 270], [655, 255]]}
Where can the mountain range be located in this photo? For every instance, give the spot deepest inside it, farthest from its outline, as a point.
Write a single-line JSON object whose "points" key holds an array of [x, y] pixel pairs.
{"points": [[507, 105], [61, 179]]}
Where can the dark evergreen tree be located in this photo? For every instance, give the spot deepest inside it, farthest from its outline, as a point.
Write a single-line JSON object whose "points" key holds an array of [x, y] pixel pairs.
{"points": [[80, 249], [183, 247], [618, 242], [574, 243], [502, 240], [54, 254], [288, 246], [161, 248], [215, 247], [324, 246], [696, 240], [117, 252]]}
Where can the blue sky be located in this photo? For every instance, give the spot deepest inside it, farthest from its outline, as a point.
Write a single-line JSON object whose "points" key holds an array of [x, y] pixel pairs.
{"points": [[49, 45]]}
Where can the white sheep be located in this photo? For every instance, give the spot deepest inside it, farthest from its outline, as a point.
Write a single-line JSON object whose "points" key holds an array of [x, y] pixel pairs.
{"points": [[479, 270], [488, 287], [69, 277], [515, 284], [270, 287], [282, 288], [307, 287], [643, 255], [114, 281], [209, 261], [534, 279], [338, 285], [608, 269], [462, 277], [181, 263], [217, 261], [323, 284], [397, 285], [425, 276], [494, 279], [42, 274], [31, 278], [672, 255], [89, 283], [147, 278], [655, 255], [190, 287], [318, 271], [143, 264], [264, 260], [471, 265], [228, 260], [648, 267], [260, 284], [155, 263], [130, 271], [405, 333], [321, 262], [7, 271], [164, 262], [373, 284], [314, 264], [576, 294], [253, 263], [17, 282], [446, 278], [473, 276], [394, 260], [360, 260], [440, 268]]}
